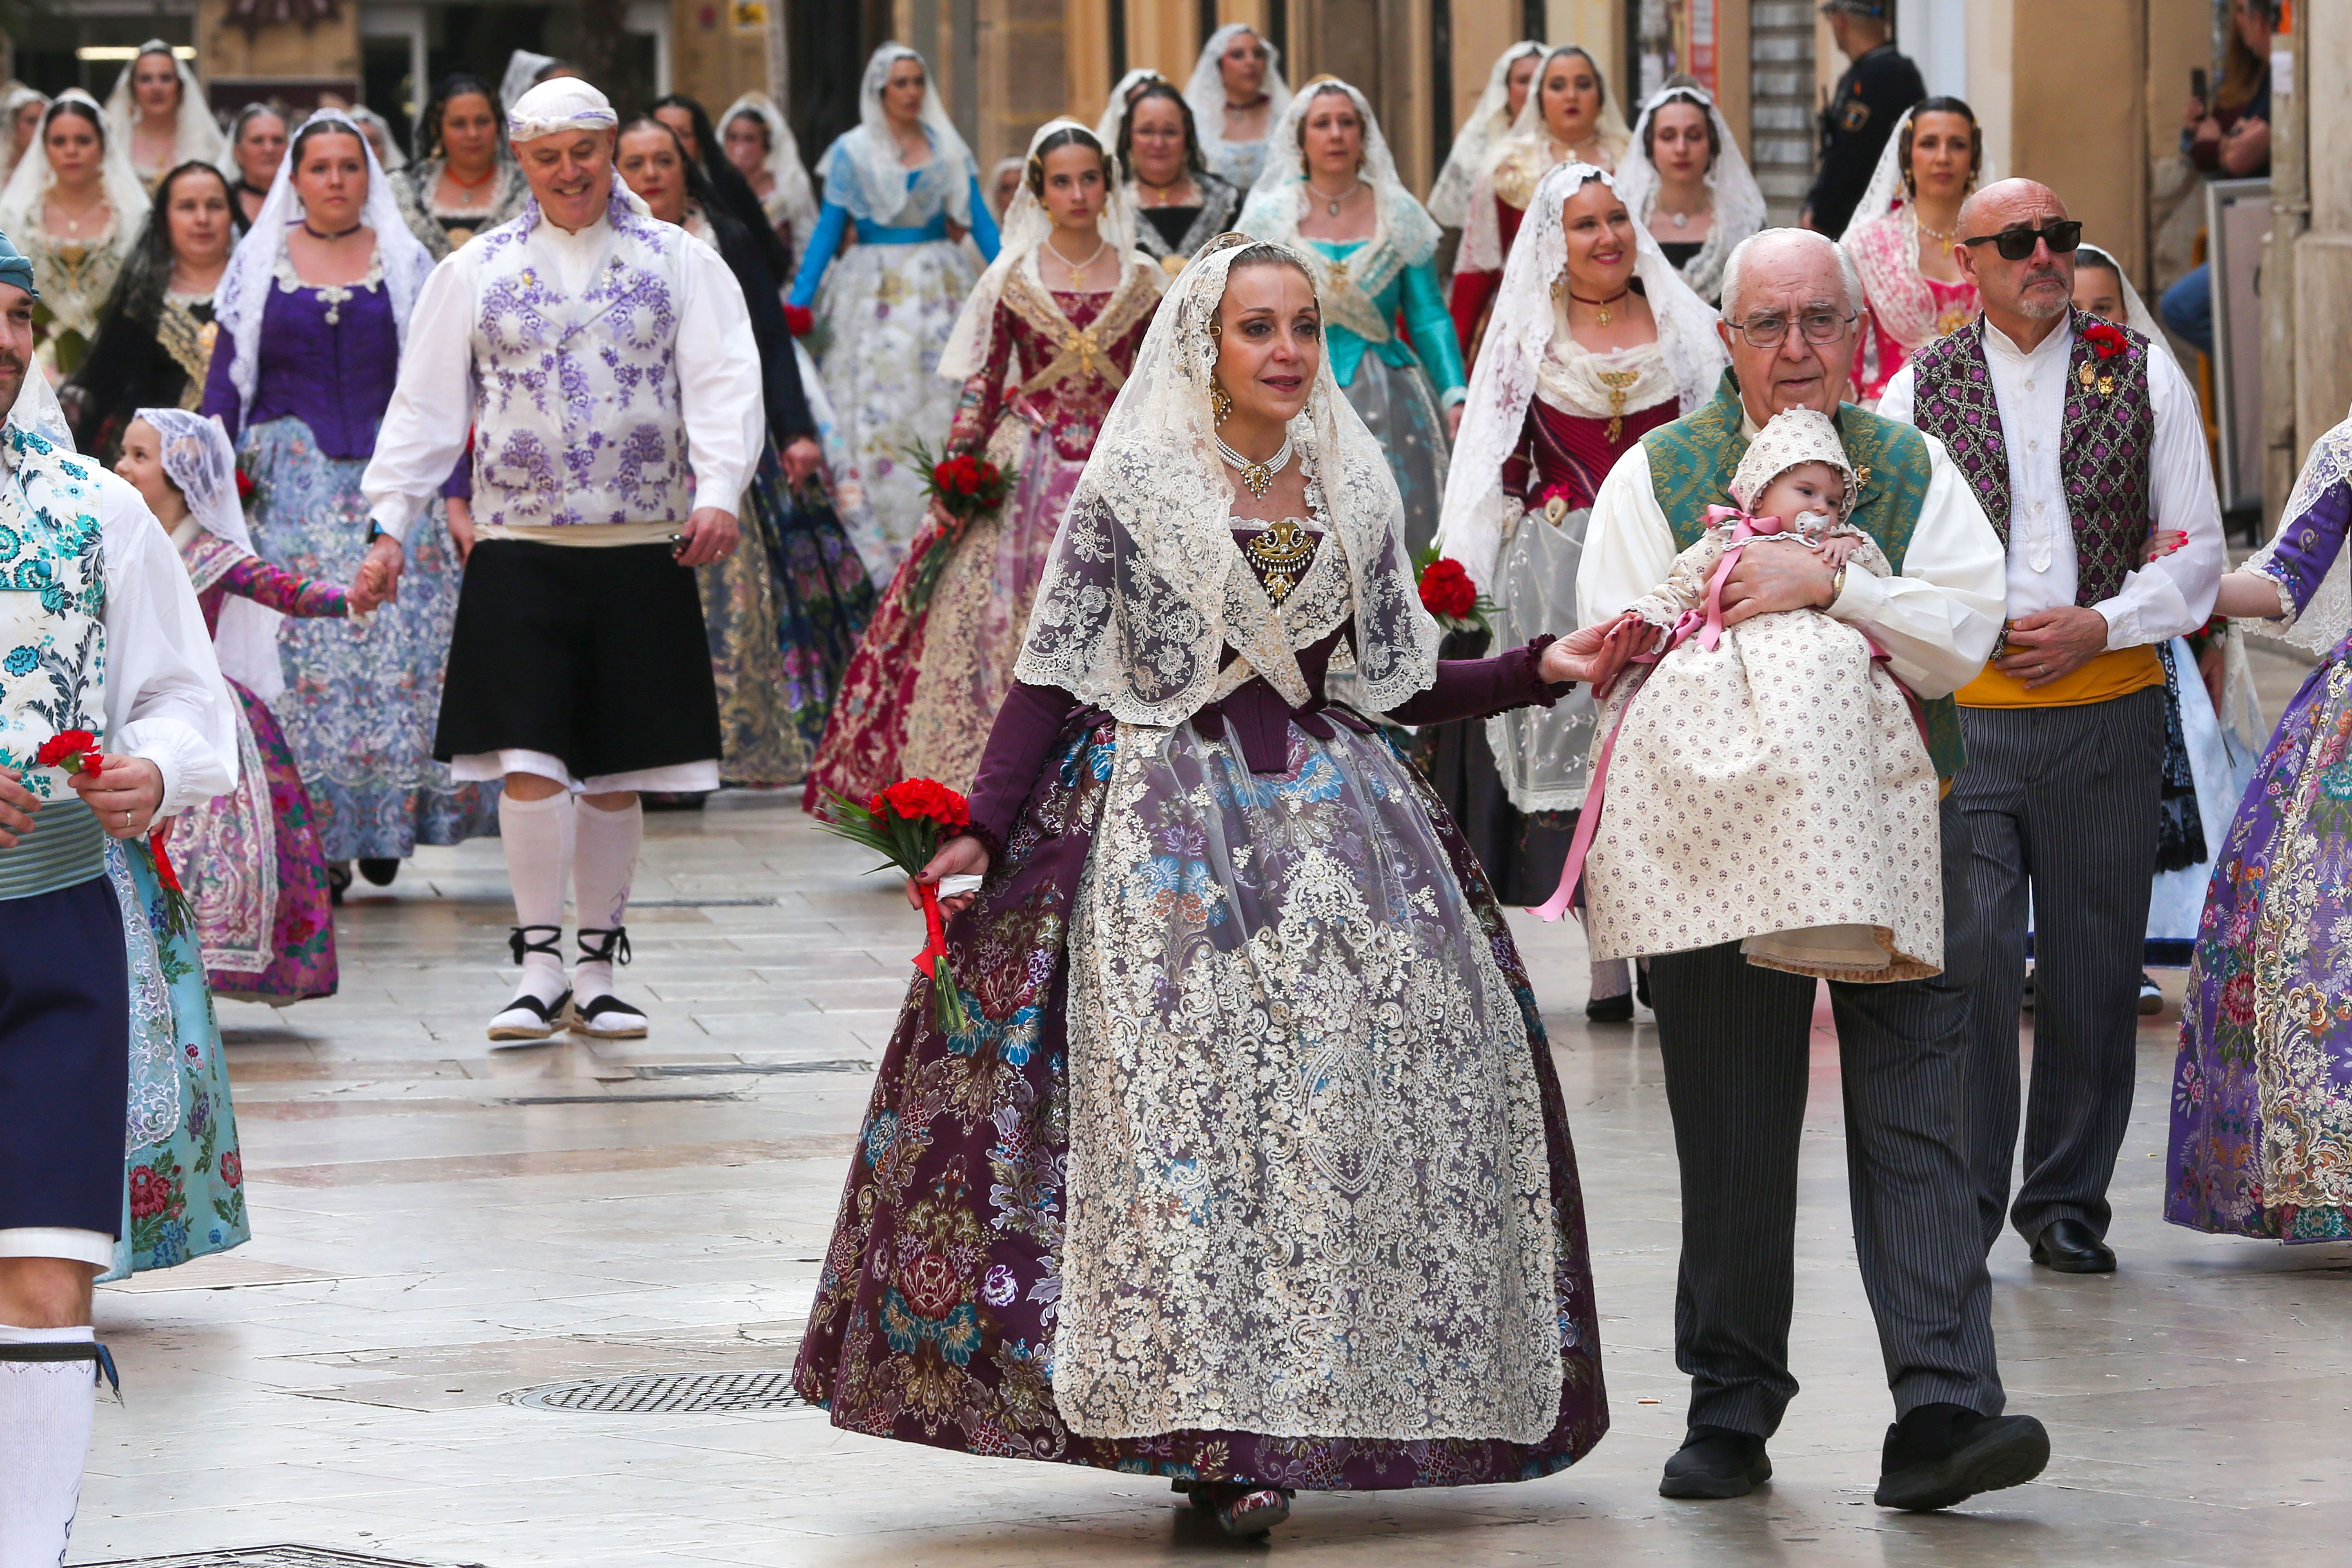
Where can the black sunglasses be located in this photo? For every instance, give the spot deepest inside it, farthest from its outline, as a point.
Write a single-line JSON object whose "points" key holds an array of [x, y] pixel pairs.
{"points": [[2017, 244]]}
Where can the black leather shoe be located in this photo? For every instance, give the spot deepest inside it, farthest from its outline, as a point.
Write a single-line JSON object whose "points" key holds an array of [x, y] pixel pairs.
{"points": [[1940, 1454], [1618, 1009], [379, 872], [2070, 1246], [1716, 1462]]}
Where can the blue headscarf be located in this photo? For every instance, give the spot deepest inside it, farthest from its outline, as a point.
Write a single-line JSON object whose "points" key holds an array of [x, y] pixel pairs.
{"points": [[16, 267]]}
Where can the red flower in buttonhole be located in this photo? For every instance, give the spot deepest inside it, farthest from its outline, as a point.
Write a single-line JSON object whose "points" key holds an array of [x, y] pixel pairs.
{"points": [[1446, 591], [2105, 339], [69, 751]]}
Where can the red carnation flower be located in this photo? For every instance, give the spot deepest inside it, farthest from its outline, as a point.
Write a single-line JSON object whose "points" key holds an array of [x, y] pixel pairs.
{"points": [[245, 487], [919, 799], [1447, 590], [799, 319], [943, 474], [2105, 339], [71, 751]]}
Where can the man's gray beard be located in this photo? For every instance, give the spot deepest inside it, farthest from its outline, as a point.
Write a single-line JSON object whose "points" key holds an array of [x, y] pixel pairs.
{"points": [[2033, 309]]}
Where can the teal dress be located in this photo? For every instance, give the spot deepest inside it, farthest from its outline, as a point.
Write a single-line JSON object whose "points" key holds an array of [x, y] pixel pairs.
{"points": [[1398, 389]]}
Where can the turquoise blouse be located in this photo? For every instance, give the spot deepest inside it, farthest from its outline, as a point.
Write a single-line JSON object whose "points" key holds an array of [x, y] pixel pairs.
{"points": [[1428, 324]]}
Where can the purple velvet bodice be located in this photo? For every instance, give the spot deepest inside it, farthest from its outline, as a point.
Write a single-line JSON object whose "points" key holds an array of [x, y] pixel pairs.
{"points": [[2308, 545], [336, 376]]}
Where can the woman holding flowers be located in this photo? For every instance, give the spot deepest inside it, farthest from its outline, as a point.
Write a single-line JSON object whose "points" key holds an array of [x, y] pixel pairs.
{"points": [[1248, 1166], [1042, 348], [1594, 340]]}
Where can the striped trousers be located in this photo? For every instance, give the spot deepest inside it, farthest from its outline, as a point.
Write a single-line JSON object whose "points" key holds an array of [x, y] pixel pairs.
{"points": [[1736, 1040], [2063, 805]]}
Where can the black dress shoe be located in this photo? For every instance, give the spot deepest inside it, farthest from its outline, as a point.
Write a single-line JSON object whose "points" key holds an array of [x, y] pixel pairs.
{"points": [[379, 872], [1617, 1009], [1940, 1454], [2070, 1246], [1641, 984], [1716, 1462]]}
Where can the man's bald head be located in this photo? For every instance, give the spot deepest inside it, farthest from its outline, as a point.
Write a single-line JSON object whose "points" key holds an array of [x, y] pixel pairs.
{"points": [[2006, 204], [2017, 296]]}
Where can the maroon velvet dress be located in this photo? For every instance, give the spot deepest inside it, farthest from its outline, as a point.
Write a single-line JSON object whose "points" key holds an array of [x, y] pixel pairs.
{"points": [[937, 1313]]}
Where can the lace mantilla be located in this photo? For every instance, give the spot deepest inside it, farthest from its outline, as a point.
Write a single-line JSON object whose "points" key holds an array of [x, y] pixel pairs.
{"points": [[2327, 619]]}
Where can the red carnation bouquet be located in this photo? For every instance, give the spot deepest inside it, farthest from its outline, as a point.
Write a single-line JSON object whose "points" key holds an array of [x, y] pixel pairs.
{"points": [[1448, 594], [905, 824], [74, 751], [965, 487]]}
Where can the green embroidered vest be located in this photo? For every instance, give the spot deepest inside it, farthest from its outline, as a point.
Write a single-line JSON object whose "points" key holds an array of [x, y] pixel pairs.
{"points": [[1692, 461]]}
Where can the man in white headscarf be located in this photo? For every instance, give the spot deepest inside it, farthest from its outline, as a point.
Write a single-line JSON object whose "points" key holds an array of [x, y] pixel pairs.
{"points": [[617, 422]]}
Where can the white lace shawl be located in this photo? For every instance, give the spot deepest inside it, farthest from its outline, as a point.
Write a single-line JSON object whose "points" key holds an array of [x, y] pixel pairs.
{"points": [[198, 456], [1114, 112], [2327, 618], [1146, 589], [1026, 227], [877, 188], [784, 166], [1489, 121], [1519, 336], [1739, 200], [1405, 236], [28, 187], [252, 273], [1206, 91], [195, 137], [523, 66], [1885, 191]]}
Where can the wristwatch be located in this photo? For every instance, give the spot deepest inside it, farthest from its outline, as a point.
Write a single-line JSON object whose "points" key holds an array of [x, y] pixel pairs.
{"points": [[1837, 584]]}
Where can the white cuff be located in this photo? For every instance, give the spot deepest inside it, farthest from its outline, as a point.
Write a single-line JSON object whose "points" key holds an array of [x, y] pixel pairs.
{"points": [[2123, 627], [1863, 598], [718, 498], [396, 515], [179, 754]]}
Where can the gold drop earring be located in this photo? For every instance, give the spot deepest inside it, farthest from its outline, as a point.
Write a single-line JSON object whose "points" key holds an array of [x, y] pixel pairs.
{"points": [[1221, 402]]}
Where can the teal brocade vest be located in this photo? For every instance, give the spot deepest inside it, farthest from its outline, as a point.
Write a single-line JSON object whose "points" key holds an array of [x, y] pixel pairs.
{"points": [[1692, 461]]}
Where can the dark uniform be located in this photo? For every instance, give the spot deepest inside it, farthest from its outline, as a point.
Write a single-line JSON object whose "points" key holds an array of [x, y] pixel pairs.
{"points": [[1871, 96]]}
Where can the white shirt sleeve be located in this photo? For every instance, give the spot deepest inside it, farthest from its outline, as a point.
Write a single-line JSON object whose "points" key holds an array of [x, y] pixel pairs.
{"points": [[1938, 621], [165, 700], [718, 385], [2173, 595], [432, 408], [1895, 402]]}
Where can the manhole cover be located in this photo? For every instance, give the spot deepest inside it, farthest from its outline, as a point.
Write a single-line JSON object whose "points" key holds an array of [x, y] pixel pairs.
{"points": [[683, 1391], [268, 1557]]}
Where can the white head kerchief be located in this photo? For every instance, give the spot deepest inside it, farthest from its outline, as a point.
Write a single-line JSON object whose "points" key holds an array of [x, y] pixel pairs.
{"points": [[17, 96], [1739, 200], [1206, 91], [879, 189], [198, 459], [1115, 108], [196, 135], [28, 187], [252, 273], [1146, 587], [1519, 334], [522, 74], [558, 105], [1407, 235], [1794, 436], [784, 165], [1530, 139], [1026, 227], [1489, 122]]}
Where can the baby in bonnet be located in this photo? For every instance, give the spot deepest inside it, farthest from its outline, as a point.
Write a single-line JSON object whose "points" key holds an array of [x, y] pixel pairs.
{"points": [[1765, 783]]}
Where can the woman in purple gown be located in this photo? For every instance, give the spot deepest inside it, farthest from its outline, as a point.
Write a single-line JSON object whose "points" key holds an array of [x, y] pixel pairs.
{"points": [[1250, 1168], [2261, 1092]]}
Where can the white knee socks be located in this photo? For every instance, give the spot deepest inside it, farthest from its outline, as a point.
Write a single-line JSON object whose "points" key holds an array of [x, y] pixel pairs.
{"points": [[601, 869], [45, 1411], [539, 835]]}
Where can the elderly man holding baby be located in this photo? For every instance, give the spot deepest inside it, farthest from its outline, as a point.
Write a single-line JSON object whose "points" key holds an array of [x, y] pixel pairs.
{"points": [[1735, 1036]]}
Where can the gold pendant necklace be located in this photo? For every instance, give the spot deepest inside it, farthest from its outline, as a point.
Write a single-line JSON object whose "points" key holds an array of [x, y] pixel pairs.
{"points": [[1257, 477], [1601, 306], [1078, 268]]}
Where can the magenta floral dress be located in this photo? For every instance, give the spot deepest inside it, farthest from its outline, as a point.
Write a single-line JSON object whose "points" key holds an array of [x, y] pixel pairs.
{"points": [[250, 859]]}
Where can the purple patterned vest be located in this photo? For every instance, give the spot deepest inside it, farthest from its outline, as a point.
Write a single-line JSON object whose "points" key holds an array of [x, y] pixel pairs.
{"points": [[2104, 439], [577, 417]]}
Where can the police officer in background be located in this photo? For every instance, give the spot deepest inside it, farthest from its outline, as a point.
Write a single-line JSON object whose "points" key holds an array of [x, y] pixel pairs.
{"points": [[1877, 86]]}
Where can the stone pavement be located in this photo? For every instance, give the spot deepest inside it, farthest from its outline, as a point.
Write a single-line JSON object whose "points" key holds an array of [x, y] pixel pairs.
{"points": [[438, 1227]]}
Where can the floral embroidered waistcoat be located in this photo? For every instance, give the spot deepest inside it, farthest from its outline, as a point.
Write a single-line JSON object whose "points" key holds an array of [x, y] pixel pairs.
{"points": [[52, 593], [577, 418], [2104, 439], [1691, 463]]}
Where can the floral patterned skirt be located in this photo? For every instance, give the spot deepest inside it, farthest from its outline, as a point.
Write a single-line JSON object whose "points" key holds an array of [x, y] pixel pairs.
{"points": [[361, 697], [883, 316], [251, 864], [1399, 407], [182, 1194], [2261, 1090], [759, 743], [865, 734], [824, 599], [1363, 1262]]}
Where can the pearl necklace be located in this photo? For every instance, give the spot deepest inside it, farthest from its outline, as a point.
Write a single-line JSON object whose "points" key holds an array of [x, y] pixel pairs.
{"points": [[1258, 476], [1331, 202]]}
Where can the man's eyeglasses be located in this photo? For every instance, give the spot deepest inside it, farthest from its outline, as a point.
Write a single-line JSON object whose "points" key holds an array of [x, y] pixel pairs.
{"points": [[1768, 331], [2017, 244]]}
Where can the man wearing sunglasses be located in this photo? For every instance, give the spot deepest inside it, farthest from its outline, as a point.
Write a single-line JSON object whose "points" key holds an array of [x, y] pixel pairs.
{"points": [[2078, 440], [1734, 1038]]}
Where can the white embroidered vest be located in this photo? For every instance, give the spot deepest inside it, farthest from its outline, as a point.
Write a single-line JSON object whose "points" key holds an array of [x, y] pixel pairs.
{"points": [[577, 418], [52, 593]]}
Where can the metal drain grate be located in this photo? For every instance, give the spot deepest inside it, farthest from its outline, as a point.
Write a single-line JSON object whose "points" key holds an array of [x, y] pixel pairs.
{"points": [[268, 1557], [668, 1392]]}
